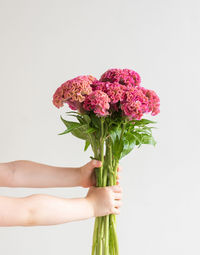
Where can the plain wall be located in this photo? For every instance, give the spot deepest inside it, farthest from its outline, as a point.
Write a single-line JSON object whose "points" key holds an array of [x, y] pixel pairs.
{"points": [[44, 43]]}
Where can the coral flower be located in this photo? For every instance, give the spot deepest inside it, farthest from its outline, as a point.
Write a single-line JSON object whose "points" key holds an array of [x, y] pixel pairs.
{"points": [[73, 91]]}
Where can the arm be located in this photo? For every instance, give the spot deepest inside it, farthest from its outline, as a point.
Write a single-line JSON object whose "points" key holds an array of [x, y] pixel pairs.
{"points": [[37, 210], [24, 173]]}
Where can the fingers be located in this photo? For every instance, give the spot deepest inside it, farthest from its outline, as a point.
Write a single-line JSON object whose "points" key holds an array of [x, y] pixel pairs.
{"points": [[118, 204], [118, 196], [118, 176], [117, 199], [119, 169], [116, 188], [95, 163], [116, 211]]}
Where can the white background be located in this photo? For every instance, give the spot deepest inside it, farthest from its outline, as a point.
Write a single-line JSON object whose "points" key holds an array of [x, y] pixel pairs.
{"points": [[44, 43]]}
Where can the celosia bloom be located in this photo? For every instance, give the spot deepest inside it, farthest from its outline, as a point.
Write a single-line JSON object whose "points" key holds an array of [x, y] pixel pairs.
{"points": [[97, 101], [73, 91], [153, 101], [135, 103], [117, 89], [114, 90], [58, 97], [125, 77]]}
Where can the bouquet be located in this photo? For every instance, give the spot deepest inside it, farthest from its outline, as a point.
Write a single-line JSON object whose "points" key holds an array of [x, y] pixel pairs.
{"points": [[108, 114]]}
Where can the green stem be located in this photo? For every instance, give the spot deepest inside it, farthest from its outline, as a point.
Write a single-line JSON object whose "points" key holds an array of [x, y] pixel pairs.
{"points": [[123, 129], [100, 184], [99, 240], [106, 224], [111, 241], [96, 156], [110, 161], [101, 153], [113, 222], [95, 237], [105, 237]]}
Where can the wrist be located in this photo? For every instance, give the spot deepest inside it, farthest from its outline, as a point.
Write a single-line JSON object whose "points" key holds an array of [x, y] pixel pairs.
{"points": [[74, 179], [79, 177], [90, 207]]}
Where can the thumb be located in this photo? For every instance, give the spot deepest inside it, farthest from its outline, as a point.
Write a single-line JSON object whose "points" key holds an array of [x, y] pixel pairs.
{"points": [[94, 163]]}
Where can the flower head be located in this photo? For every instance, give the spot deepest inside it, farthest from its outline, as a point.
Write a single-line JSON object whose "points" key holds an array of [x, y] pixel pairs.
{"points": [[73, 91], [114, 90], [97, 101], [153, 101], [125, 77], [135, 103]]}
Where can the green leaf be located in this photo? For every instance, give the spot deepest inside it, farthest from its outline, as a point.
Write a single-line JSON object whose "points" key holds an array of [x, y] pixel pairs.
{"points": [[70, 126], [148, 139], [73, 112], [114, 132], [90, 130], [81, 132], [87, 144], [142, 122], [86, 118], [95, 120], [65, 132], [137, 138], [129, 142], [77, 129]]}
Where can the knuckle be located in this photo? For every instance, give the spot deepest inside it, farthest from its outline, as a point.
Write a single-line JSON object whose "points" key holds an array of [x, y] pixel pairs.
{"points": [[112, 203], [112, 211], [94, 162]]}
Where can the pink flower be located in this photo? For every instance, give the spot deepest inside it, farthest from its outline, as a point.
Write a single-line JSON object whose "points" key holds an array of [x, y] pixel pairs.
{"points": [[73, 91], [135, 103], [153, 101], [117, 89], [114, 90], [99, 85], [125, 77], [97, 101]]}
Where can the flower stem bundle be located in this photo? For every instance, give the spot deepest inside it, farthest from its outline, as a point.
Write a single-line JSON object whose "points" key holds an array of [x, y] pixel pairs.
{"points": [[108, 116]]}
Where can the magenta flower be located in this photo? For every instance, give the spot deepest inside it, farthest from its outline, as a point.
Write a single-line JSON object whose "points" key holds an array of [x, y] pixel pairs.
{"points": [[73, 91], [153, 101], [114, 90], [125, 77], [117, 89], [97, 101], [135, 103]]}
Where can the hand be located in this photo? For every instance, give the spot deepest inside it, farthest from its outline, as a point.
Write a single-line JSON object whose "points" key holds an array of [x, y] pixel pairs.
{"points": [[87, 173], [105, 200]]}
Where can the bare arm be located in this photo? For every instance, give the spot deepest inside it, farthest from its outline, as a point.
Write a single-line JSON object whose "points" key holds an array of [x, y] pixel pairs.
{"points": [[25, 173], [40, 209]]}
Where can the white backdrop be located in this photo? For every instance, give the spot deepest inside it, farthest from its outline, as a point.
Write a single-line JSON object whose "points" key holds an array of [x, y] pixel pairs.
{"points": [[44, 43]]}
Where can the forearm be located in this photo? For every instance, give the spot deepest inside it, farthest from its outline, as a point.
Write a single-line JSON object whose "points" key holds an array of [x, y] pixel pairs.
{"points": [[26, 173], [37, 210]]}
